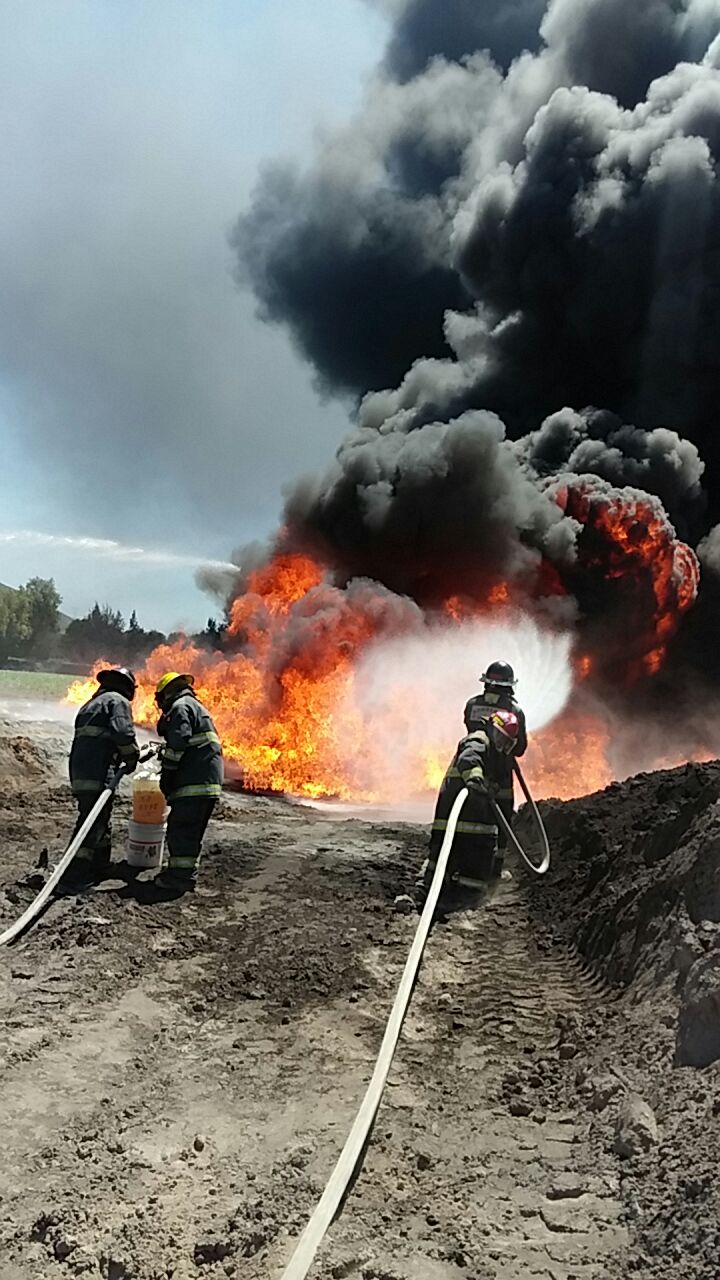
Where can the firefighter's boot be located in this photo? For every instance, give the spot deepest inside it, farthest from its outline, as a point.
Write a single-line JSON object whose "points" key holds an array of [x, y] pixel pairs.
{"points": [[100, 865], [79, 877], [167, 886]]}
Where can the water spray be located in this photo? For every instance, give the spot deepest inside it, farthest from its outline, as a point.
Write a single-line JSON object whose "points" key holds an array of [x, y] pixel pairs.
{"points": [[107, 548]]}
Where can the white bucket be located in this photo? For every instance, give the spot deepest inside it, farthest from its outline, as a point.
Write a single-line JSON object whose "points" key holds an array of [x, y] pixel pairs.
{"points": [[146, 844]]}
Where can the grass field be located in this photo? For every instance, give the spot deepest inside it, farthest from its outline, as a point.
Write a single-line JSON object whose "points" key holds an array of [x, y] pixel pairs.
{"points": [[34, 684]]}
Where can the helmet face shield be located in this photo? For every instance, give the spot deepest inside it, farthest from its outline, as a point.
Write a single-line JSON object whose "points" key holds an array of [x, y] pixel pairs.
{"points": [[504, 730]]}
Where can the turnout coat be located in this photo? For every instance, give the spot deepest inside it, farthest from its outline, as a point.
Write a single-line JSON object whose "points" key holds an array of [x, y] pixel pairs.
{"points": [[192, 763], [477, 710], [475, 765], [104, 737]]}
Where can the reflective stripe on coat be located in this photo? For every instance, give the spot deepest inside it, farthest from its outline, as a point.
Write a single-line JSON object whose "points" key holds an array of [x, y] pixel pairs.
{"points": [[104, 737], [192, 765]]}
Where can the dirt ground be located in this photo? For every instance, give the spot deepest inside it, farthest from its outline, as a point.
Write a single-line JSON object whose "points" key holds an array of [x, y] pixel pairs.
{"points": [[178, 1080]]}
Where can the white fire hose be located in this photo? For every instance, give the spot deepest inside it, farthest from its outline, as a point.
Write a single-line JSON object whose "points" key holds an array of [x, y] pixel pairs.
{"points": [[336, 1187], [544, 866], [327, 1207], [328, 1204], [36, 906]]}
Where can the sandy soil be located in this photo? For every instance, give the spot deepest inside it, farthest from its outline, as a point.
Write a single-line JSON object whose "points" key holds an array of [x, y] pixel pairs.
{"points": [[177, 1080]]}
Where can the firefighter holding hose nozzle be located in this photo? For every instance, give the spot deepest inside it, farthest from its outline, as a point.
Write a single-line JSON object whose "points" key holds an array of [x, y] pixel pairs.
{"points": [[480, 764], [499, 695], [191, 779]]}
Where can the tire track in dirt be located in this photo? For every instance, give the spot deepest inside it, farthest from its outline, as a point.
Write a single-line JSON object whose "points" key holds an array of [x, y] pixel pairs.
{"points": [[476, 1168], [250, 1020], [208, 1058], [164, 1111]]}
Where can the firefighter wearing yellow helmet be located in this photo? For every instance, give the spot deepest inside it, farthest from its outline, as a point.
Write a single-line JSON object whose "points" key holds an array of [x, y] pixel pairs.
{"points": [[191, 779]]}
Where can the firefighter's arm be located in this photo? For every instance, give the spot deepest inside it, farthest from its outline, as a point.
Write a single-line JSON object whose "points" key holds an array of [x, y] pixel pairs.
{"points": [[177, 730], [466, 715], [471, 766], [522, 741], [122, 732]]}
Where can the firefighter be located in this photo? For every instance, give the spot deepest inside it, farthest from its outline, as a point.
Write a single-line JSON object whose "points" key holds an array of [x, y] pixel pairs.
{"points": [[104, 739], [479, 765], [499, 694], [191, 779]]}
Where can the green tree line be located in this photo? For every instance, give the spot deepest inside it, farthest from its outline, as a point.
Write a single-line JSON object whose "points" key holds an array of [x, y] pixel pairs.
{"points": [[30, 627], [29, 619]]}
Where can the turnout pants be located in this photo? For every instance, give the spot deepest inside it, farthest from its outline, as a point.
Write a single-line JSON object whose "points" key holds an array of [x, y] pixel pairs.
{"points": [[506, 804], [472, 861], [95, 848], [505, 800], [186, 828]]}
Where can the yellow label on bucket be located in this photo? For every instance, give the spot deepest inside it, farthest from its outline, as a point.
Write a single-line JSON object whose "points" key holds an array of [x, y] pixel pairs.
{"points": [[148, 802]]}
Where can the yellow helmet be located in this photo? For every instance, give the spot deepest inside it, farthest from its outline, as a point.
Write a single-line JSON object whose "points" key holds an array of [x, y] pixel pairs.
{"points": [[168, 678]]}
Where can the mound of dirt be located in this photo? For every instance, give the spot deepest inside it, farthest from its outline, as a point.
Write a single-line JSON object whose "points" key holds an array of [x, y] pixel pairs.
{"points": [[23, 764], [177, 1079], [635, 892]]}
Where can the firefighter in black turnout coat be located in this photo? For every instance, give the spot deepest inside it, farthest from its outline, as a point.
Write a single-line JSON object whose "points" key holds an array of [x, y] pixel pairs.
{"points": [[479, 764], [104, 739], [191, 779], [499, 695]]}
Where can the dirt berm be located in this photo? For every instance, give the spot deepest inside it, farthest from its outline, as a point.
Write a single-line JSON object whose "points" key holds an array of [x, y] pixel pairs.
{"points": [[176, 1081]]}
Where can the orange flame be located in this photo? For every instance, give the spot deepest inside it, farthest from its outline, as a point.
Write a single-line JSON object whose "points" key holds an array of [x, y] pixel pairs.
{"points": [[462, 608], [568, 758], [283, 701], [584, 666], [629, 540]]}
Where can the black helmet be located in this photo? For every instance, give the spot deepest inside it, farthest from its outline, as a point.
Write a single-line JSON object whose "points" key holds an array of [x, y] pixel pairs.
{"points": [[500, 674], [118, 680]]}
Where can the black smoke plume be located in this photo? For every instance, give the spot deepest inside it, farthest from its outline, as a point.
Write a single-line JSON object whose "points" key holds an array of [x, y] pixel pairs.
{"points": [[425, 30], [524, 217]]}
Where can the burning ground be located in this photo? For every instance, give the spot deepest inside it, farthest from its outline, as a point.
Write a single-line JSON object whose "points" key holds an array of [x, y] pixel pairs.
{"points": [[177, 1080]]}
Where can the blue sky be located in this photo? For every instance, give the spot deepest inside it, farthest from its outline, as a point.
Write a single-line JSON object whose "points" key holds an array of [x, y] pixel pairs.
{"points": [[140, 398]]}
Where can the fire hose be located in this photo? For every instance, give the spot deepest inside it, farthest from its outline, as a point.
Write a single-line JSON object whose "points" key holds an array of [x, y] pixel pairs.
{"points": [[328, 1205], [336, 1187], [36, 906], [544, 866]]}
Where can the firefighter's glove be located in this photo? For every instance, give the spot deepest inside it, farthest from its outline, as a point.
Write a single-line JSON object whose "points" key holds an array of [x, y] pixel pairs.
{"points": [[165, 785], [131, 763], [477, 787], [481, 787]]}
